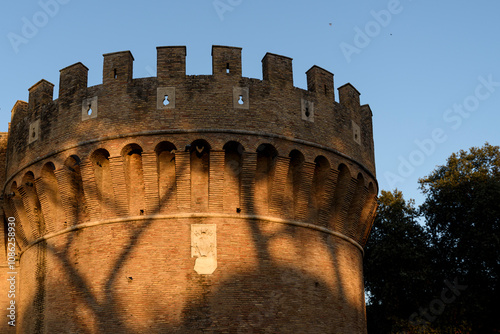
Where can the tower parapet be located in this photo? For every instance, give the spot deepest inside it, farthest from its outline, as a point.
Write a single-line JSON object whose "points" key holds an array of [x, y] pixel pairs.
{"points": [[312, 115], [233, 183]]}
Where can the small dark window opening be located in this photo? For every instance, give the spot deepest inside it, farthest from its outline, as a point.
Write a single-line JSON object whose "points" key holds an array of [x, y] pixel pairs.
{"points": [[227, 68], [307, 111], [115, 75], [90, 111]]}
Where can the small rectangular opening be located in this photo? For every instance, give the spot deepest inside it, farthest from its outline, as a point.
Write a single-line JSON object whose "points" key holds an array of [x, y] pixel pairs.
{"points": [[227, 68]]}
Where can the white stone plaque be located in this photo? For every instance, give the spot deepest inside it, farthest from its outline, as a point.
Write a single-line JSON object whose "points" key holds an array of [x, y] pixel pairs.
{"points": [[204, 247]]}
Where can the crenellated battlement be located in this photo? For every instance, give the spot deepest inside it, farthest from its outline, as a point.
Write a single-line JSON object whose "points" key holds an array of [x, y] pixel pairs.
{"points": [[174, 100]]}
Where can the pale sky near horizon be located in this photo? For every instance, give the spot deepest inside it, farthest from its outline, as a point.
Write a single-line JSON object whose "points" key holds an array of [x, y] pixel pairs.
{"points": [[429, 70]]}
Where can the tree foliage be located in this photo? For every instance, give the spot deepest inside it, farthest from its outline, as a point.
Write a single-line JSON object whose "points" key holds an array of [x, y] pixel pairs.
{"points": [[397, 261], [440, 276], [462, 211]]}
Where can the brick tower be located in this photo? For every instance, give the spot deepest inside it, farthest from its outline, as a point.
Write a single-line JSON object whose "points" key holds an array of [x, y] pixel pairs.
{"points": [[188, 203]]}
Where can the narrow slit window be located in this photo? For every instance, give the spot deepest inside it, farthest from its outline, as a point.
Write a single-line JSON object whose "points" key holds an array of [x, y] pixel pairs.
{"points": [[166, 101], [89, 110], [240, 100], [227, 68], [115, 75]]}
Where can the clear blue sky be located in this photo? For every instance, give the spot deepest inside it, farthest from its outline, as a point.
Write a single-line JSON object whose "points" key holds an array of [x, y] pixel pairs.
{"points": [[428, 69]]}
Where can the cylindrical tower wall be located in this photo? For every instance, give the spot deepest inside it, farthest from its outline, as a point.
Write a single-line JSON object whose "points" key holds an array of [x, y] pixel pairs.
{"points": [[191, 203]]}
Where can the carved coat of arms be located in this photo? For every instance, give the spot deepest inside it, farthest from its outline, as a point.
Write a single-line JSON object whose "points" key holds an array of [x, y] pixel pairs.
{"points": [[204, 248]]}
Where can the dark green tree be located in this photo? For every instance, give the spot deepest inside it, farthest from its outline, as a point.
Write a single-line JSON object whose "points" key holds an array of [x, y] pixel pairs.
{"points": [[462, 210], [397, 265], [442, 278]]}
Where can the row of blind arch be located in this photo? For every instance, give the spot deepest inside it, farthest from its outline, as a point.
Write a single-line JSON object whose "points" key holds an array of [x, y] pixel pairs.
{"points": [[287, 187]]}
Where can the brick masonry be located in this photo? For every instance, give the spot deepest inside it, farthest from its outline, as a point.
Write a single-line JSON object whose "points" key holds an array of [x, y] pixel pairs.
{"points": [[106, 181]]}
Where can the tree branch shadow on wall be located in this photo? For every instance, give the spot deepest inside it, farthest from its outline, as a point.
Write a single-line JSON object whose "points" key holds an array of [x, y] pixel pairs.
{"points": [[260, 300]]}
